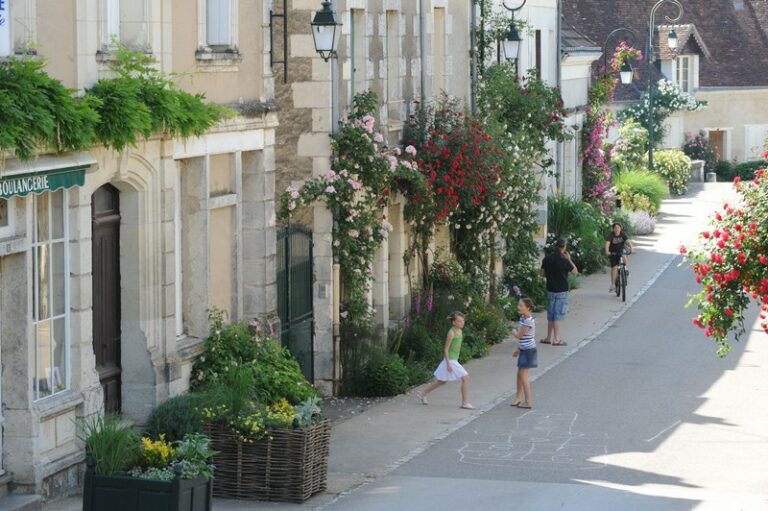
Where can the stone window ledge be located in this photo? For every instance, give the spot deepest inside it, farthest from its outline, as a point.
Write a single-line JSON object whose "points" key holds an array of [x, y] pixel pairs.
{"points": [[14, 245], [218, 59], [189, 348], [57, 404], [108, 54]]}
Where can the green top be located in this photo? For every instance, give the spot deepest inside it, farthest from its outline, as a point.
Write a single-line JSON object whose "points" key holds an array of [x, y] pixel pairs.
{"points": [[455, 349]]}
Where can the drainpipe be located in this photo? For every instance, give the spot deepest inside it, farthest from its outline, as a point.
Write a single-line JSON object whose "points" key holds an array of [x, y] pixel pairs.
{"points": [[336, 271], [422, 51]]}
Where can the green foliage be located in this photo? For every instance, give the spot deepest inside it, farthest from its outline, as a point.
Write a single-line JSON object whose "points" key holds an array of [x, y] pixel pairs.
{"points": [[418, 372], [194, 454], [419, 345], [176, 417], [243, 349], [308, 412], [629, 151], [473, 345], [384, 375], [141, 100], [583, 227], [641, 191], [488, 322], [38, 112], [667, 100], [726, 171], [675, 167], [112, 444]]}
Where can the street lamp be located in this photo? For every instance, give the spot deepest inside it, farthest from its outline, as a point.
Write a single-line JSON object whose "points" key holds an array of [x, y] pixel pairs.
{"points": [[625, 73], [325, 31], [512, 39], [672, 43]]}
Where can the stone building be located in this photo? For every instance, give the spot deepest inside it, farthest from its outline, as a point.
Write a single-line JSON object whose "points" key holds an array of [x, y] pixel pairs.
{"points": [[109, 261], [404, 50], [720, 58]]}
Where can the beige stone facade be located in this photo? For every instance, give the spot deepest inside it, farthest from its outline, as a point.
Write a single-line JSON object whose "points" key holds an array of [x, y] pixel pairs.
{"points": [[380, 49], [193, 227]]}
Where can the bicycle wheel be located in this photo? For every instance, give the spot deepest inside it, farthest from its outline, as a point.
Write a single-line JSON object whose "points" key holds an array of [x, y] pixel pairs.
{"points": [[623, 279], [617, 283]]}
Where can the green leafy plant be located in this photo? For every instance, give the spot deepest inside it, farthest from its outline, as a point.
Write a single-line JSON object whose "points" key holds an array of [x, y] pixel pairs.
{"points": [[583, 227], [629, 150], [176, 417], [112, 444], [384, 375], [188, 458], [641, 191], [473, 345], [308, 412], [675, 167], [420, 345], [488, 322]]}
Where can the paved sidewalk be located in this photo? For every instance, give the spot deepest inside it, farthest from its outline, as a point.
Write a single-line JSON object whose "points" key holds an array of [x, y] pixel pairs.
{"points": [[371, 443]]}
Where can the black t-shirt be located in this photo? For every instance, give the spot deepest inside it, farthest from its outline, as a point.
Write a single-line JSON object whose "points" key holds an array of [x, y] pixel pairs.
{"points": [[556, 269], [616, 242]]}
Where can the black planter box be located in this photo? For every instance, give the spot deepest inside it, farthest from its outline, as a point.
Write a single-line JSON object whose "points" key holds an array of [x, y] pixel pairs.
{"points": [[120, 493]]}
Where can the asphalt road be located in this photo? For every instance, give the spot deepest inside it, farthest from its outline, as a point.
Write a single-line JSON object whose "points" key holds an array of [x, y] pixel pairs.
{"points": [[645, 417]]}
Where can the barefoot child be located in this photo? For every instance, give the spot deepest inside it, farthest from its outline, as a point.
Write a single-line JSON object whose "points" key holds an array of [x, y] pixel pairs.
{"points": [[526, 352], [450, 369]]}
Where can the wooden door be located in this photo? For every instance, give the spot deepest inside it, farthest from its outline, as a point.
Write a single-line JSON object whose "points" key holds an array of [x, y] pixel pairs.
{"points": [[717, 142], [106, 293]]}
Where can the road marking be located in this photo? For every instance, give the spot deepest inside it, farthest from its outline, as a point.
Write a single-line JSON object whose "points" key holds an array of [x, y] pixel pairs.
{"points": [[657, 435]]}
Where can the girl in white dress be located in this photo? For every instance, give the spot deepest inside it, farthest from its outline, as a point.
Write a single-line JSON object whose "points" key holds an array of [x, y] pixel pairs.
{"points": [[449, 368]]}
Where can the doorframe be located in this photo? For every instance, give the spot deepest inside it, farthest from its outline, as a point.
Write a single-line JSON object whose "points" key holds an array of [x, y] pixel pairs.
{"points": [[727, 141]]}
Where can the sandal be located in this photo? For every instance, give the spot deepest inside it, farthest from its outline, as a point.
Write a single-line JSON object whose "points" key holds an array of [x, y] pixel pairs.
{"points": [[468, 406], [545, 341], [525, 407], [422, 398], [561, 343]]}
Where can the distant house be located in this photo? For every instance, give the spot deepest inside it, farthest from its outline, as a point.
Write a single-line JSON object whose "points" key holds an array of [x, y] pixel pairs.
{"points": [[720, 58]]}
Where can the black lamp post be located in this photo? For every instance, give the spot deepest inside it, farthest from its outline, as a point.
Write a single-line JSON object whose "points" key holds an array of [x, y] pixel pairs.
{"points": [[511, 42], [325, 31], [672, 43]]}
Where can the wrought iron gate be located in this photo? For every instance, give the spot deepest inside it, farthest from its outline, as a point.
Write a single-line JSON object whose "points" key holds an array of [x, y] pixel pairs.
{"points": [[294, 295]]}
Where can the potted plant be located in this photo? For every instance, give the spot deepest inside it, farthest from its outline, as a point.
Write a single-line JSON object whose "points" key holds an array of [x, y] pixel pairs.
{"points": [[145, 474]]}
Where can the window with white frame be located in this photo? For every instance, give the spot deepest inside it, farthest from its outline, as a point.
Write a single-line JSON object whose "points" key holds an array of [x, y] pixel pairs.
{"points": [[6, 218], [684, 73], [50, 293], [126, 22], [217, 25]]}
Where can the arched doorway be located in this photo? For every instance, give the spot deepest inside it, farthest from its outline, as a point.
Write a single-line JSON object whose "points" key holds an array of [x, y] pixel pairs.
{"points": [[105, 204]]}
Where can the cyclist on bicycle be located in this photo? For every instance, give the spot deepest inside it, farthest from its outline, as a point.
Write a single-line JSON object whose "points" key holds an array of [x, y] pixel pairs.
{"points": [[617, 246]]}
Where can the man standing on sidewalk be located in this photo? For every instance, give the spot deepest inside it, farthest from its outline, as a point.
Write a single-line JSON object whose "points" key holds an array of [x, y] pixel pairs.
{"points": [[555, 268]]}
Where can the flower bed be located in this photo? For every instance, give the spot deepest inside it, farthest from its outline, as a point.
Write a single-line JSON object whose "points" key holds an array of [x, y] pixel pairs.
{"points": [[288, 465]]}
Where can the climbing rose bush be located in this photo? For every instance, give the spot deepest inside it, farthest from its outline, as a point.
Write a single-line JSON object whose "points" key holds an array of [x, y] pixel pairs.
{"points": [[730, 262]]}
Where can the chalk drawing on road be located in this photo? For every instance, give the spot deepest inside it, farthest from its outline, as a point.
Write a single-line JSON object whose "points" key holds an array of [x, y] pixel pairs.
{"points": [[539, 440]]}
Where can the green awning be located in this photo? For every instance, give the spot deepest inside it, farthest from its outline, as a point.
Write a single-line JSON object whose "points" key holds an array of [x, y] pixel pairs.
{"points": [[39, 182]]}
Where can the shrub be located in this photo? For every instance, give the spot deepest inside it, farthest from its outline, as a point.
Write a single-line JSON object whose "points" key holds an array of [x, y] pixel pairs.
{"points": [[530, 284], [747, 170], [642, 222], [629, 150], [632, 184], [113, 445], [724, 170], [583, 226], [176, 417], [419, 345], [278, 376], [418, 372], [472, 346], [383, 375], [487, 320], [675, 167]]}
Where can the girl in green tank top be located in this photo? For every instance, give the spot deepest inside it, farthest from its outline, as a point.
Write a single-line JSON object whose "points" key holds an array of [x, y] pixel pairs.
{"points": [[449, 368]]}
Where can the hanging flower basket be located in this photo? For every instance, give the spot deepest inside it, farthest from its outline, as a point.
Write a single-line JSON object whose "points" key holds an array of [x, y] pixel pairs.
{"points": [[287, 465]]}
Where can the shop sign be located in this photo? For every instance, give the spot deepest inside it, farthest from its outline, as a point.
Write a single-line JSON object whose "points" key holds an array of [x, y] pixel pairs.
{"points": [[39, 182]]}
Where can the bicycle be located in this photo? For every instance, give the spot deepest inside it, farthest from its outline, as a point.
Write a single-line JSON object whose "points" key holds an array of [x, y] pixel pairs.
{"points": [[621, 275]]}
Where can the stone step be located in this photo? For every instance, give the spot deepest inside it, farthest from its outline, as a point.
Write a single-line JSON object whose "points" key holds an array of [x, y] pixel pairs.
{"points": [[13, 502]]}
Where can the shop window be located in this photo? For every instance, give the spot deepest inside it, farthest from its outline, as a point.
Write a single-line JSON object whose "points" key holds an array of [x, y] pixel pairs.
{"points": [[50, 288], [6, 218]]}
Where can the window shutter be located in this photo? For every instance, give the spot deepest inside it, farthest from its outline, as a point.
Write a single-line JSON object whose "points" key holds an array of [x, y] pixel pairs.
{"points": [[755, 137], [218, 22]]}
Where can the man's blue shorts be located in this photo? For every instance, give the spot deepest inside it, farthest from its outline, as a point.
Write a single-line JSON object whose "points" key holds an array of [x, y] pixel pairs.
{"points": [[557, 306]]}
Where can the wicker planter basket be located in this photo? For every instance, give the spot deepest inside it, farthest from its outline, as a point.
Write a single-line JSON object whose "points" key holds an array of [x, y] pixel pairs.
{"points": [[290, 465]]}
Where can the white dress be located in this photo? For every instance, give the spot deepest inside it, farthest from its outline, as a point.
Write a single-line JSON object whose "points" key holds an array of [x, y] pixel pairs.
{"points": [[457, 373]]}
